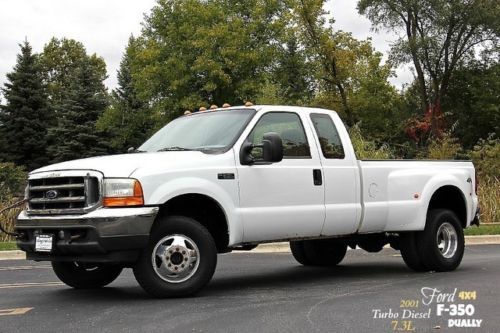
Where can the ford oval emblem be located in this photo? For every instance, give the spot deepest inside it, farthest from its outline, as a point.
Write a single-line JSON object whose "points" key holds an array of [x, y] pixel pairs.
{"points": [[52, 194]]}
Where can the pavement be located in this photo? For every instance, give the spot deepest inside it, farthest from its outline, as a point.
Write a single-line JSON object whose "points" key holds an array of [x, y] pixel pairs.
{"points": [[265, 292]]}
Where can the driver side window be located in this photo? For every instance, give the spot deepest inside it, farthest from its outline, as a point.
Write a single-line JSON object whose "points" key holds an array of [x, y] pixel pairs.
{"points": [[290, 129]]}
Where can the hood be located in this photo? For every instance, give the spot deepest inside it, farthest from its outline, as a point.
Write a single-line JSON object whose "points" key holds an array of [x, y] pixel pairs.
{"points": [[124, 165]]}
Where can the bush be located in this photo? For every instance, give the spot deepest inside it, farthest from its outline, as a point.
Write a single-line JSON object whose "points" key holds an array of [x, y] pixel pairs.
{"points": [[445, 148], [12, 182], [366, 149], [486, 157]]}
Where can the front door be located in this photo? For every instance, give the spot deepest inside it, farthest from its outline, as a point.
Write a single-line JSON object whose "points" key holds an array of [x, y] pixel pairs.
{"points": [[281, 200]]}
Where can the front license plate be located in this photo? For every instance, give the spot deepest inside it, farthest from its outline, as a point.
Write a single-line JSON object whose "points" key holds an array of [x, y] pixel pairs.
{"points": [[43, 243]]}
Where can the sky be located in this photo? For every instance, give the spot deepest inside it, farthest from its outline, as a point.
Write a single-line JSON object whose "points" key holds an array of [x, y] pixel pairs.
{"points": [[104, 27]]}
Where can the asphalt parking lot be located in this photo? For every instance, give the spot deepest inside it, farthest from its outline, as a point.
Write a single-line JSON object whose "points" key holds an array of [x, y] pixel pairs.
{"points": [[259, 292]]}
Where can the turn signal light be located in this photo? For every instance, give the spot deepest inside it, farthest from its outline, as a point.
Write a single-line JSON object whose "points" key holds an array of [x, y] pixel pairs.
{"points": [[122, 193]]}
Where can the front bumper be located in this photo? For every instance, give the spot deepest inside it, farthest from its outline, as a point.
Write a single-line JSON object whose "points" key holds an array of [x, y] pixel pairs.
{"points": [[103, 235]]}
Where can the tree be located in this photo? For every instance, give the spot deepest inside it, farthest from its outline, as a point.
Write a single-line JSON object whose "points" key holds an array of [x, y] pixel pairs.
{"points": [[129, 120], [319, 36], [60, 59], [196, 52], [82, 102], [294, 74], [24, 118], [438, 35], [78, 97], [472, 103]]}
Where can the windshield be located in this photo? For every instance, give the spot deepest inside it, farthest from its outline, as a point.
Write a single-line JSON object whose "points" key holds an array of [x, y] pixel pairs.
{"points": [[210, 131]]}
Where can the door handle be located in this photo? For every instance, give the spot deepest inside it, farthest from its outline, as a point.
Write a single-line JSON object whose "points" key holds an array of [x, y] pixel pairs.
{"points": [[317, 178]]}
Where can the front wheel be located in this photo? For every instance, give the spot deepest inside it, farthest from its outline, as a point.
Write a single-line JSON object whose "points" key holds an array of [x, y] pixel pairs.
{"points": [[86, 275], [179, 260]]}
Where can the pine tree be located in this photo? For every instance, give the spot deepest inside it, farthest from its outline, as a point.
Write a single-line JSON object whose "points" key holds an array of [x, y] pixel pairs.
{"points": [[128, 119], [84, 100], [25, 117]]}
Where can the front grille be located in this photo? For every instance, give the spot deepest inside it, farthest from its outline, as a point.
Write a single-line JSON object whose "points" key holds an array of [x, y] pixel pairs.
{"points": [[63, 195]]}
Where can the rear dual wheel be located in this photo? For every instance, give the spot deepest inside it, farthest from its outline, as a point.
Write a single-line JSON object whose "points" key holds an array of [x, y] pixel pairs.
{"points": [[440, 247], [321, 252]]}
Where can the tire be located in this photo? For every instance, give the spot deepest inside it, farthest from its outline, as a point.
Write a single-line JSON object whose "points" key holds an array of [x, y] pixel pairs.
{"points": [[187, 247], [410, 252], [321, 252], [441, 245], [297, 248], [86, 275]]}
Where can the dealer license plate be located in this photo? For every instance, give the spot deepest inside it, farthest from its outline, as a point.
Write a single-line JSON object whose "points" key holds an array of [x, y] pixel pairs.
{"points": [[43, 243]]}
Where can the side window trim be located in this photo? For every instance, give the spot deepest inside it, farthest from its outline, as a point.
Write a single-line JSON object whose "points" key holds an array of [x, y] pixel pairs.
{"points": [[301, 125], [324, 115]]}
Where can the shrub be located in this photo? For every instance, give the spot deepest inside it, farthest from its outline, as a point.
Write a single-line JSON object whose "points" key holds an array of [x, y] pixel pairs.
{"points": [[366, 149], [445, 148], [486, 157], [12, 181]]}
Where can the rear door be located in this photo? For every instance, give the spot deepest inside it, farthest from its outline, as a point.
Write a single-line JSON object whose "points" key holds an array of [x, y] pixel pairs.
{"points": [[341, 175], [282, 200]]}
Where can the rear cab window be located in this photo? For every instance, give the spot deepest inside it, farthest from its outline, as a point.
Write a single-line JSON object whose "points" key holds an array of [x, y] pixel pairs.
{"points": [[329, 139]]}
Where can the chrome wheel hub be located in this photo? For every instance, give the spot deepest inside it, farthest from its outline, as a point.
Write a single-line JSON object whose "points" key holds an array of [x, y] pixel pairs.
{"points": [[447, 240], [175, 258]]}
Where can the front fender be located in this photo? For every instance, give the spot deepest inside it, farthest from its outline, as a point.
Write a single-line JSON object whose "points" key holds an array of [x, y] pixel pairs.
{"points": [[224, 194]]}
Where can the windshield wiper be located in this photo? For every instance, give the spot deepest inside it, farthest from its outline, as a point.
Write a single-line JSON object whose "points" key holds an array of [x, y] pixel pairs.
{"points": [[176, 149]]}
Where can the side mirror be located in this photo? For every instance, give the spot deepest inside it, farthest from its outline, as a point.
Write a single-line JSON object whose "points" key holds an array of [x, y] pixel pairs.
{"points": [[272, 150], [272, 147], [130, 150]]}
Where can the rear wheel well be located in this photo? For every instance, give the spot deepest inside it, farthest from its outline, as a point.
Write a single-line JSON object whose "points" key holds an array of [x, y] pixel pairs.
{"points": [[450, 197], [204, 210]]}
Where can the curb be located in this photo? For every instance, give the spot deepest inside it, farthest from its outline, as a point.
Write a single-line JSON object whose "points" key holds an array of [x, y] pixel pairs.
{"points": [[282, 247], [12, 255]]}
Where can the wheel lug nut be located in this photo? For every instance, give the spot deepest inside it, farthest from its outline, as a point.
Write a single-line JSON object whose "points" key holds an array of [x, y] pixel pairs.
{"points": [[169, 265], [185, 259], [177, 249], [176, 268], [183, 252]]}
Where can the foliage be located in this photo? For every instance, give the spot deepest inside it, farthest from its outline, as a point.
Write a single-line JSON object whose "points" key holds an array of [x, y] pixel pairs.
{"points": [[197, 52], [472, 103], [486, 157], [60, 59], [489, 198], [82, 102], [12, 180], [366, 149], [444, 148], [128, 119], [437, 36], [25, 117]]}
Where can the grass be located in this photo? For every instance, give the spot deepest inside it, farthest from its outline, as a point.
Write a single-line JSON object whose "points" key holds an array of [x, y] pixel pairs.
{"points": [[484, 229], [6, 246]]}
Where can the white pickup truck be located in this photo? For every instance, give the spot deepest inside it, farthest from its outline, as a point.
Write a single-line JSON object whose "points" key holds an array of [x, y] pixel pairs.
{"points": [[229, 179]]}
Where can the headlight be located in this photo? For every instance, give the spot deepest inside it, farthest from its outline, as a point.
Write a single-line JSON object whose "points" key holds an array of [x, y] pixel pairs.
{"points": [[120, 192]]}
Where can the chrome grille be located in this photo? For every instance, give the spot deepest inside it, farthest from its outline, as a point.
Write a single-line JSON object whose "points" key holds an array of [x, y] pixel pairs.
{"points": [[73, 194]]}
